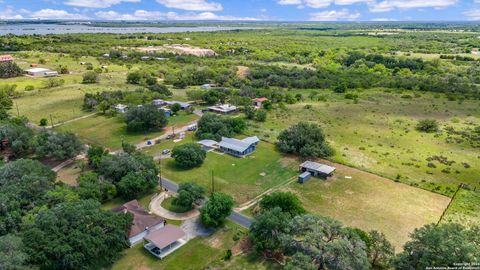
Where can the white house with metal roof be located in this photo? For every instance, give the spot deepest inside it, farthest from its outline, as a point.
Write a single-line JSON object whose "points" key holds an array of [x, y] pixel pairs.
{"points": [[238, 148], [316, 169], [41, 72]]}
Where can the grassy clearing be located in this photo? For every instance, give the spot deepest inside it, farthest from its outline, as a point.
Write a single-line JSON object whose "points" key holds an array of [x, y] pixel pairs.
{"points": [[69, 174], [378, 134], [201, 252], [243, 178], [110, 131], [369, 202], [168, 204], [464, 209]]}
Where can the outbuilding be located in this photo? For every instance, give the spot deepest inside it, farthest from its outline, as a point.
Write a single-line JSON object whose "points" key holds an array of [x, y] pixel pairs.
{"points": [[304, 177], [208, 145], [317, 169], [183, 105], [121, 108], [6, 58], [223, 108], [41, 72], [258, 102], [164, 241]]}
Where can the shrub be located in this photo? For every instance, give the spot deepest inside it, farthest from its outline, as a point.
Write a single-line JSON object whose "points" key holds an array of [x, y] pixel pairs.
{"points": [[90, 77], [427, 125]]}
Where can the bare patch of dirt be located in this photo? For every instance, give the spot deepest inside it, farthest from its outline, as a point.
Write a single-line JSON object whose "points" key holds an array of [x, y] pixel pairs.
{"points": [[143, 267], [243, 246], [243, 72], [215, 243]]}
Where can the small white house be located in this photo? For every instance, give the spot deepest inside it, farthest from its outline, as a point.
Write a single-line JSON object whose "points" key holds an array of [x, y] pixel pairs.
{"points": [[121, 108], [223, 108], [41, 72]]}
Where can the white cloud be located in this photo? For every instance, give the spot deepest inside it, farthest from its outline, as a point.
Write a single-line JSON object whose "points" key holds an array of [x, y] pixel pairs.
{"points": [[194, 5], [320, 3], [98, 3], [473, 14], [141, 15], [56, 14], [9, 14], [334, 15], [389, 5]]}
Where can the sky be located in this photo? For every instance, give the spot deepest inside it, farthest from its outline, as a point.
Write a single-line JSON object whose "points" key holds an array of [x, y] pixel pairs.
{"points": [[243, 10]]}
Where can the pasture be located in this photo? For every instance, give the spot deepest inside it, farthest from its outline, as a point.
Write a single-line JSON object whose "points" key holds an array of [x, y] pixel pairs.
{"points": [[371, 202], [378, 135], [110, 131]]}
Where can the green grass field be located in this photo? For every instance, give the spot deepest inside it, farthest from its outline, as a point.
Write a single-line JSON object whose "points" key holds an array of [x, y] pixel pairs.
{"points": [[110, 131], [370, 202], [202, 253], [243, 178], [378, 135]]}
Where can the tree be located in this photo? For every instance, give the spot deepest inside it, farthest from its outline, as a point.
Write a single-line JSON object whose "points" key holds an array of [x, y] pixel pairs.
{"points": [[304, 139], [300, 261], [134, 77], [90, 186], [95, 155], [134, 184], [18, 138], [261, 116], [379, 250], [267, 228], [214, 127], [10, 70], [128, 147], [175, 108], [43, 122], [440, 245], [57, 145], [328, 244], [6, 104], [189, 155], [427, 125], [90, 77], [341, 88], [188, 193], [214, 212], [161, 89], [12, 256], [115, 167], [145, 118], [76, 235], [23, 184], [249, 112], [287, 202]]}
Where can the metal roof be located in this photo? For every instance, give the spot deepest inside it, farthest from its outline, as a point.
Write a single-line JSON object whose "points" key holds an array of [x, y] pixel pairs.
{"points": [[165, 236], [34, 70], [317, 167], [238, 145], [208, 143]]}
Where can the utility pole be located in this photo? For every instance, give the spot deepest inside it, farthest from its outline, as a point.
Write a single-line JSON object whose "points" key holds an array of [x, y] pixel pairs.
{"points": [[213, 183], [160, 172], [18, 112], [51, 120]]}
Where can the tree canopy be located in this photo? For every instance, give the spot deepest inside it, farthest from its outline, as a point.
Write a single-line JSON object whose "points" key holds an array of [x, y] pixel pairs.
{"points": [[57, 145], [76, 235], [216, 209], [286, 201], [440, 245], [189, 155], [188, 193], [214, 127], [145, 118], [307, 140]]}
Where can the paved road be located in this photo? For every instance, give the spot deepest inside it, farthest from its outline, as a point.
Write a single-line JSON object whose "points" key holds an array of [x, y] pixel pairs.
{"points": [[236, 217]]}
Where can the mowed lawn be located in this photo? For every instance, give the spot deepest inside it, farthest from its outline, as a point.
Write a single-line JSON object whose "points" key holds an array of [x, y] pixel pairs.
{"points": [[370, 202], [198, 253], [110, 131], [243, 178]]}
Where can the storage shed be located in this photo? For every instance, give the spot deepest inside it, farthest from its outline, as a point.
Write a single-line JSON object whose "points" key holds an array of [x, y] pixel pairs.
{"points": [[317, 169], [304, 177]]}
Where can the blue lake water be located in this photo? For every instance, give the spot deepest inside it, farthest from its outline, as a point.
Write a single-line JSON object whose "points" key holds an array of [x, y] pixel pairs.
{"points": [[43, 29]]}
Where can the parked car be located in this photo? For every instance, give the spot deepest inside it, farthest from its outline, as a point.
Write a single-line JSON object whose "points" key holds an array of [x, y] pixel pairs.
{"points": [[165, 151]]}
